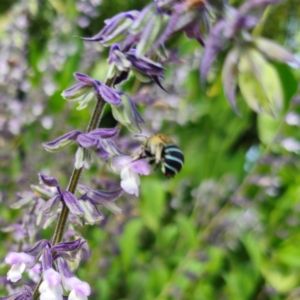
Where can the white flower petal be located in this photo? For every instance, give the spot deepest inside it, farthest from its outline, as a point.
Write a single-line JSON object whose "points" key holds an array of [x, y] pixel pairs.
{"points": [[34, 273], [74, 296], [130, 186], [50, 292], [130, 181], [15, 272]]}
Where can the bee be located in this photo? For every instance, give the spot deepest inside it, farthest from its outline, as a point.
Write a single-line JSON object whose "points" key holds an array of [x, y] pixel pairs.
{"points": [[160, 148]]}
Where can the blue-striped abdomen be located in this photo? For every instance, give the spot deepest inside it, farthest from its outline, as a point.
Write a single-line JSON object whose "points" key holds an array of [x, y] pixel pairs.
{"points": [[173, 160]]}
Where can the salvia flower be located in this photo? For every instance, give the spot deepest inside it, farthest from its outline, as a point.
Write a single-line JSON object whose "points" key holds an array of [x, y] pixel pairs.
{"points": [[247, 16], [35, 273], [79, 290], [115, 29], [119, 64], [188, 16], [96, 197], [21, 261], [122, 106], [97, 140], [50, 287], [129, 171], [69, 199], [143, 67], [87, 87], [31, 202]]}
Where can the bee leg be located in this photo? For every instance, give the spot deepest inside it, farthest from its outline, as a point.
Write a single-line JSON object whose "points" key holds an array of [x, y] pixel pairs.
{"points": [[138, 155]]}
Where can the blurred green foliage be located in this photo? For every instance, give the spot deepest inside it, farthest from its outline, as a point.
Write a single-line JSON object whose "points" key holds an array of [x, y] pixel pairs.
{"points": [[226, 227]]}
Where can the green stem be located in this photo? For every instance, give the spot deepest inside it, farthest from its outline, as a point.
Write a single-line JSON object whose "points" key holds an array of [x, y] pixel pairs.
{"points": [[63, 218]]}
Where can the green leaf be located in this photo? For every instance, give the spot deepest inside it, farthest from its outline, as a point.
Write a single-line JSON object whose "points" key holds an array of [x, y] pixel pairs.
{"points": [[187, 229], [129, 242], [274, 51], [152, 203], [282, 280], [267, 128], [259, 83], [253, 249]]}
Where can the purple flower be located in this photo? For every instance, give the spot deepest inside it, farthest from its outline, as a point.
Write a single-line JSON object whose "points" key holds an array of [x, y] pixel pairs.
{"points": [[248, 15], [50, 287], [79, 289], [69, 199], [214, 44], [20, 261], [129, 171], [87, 87], [188, 16], [62, 142], [118, 59], [35, 273], [97, 140], [115, 29], [144, 65], [25, 294], [68, 246], [96, 197], [19, 232]]}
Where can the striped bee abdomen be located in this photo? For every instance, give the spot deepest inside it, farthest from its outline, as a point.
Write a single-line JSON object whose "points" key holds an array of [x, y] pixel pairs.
{"points": [[173, 160]]}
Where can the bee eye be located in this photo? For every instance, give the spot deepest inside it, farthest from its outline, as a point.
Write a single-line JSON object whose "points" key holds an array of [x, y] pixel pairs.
{"points": [[173, 160]]}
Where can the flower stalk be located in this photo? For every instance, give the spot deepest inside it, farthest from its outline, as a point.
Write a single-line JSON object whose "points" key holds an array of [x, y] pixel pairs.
{"points": [[74, 179]]}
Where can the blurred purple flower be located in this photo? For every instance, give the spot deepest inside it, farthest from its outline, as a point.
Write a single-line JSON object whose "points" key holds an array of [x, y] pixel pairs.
{"points": [[25, 294], [215, 43], [246, 64], [190, 17], [238, 20]]}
